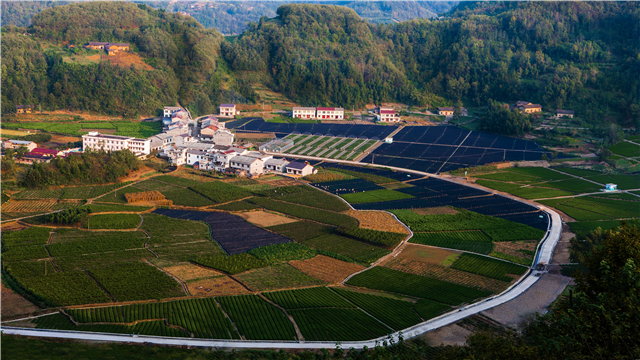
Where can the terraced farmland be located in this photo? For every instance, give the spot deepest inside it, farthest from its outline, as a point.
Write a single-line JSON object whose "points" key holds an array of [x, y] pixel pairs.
{"points": [[340, 148]]}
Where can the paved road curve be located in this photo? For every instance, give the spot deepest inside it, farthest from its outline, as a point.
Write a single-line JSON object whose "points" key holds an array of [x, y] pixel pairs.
{"points": [[544, 255]]}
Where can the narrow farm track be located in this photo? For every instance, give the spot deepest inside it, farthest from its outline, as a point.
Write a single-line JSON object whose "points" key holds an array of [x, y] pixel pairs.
{"points": [[544, 253], [184, 285]]}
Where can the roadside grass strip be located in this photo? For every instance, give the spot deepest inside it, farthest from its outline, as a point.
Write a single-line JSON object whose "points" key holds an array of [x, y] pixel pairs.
{"points": [[375, 196], [474, 241], [397, 314], [337, 324], [493, 268], [113, 221], [136, 281], [318, 297], [526, 192], [256, 319], [399, 282]]}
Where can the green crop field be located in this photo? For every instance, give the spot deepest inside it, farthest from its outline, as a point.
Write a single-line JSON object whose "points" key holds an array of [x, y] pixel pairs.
{"points": [[510, 176], [394, 281], [301, 230], [308, 298], [526, 192], [61, 322], [90, 192], [474, 241], [498, 229], [233, 264], [397, 314], [358, 251], [236, 206], [136, 281], [540, 172], [583, 228], [38, 194], [278, 253], [625, 148], [375, 196], [303, 212], [113, 221], [220, 192], [369, 177], [493, 268], [256, 319], [175, 180], [587, 208], [333, 324], [283, 276], [375, 237], [29, 236], [307, 195], [88, 242]]}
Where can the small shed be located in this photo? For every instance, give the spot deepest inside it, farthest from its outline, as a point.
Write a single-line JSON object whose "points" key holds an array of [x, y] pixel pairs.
{"points": [[611, 187]]}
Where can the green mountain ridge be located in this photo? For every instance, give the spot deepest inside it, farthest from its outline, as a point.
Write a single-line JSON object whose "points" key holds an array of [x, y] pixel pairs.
{"points": [[579, 56]]}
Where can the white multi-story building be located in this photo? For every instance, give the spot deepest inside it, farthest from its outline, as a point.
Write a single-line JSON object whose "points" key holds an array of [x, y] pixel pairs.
{"points": [[97, 141], [389, 116], [170, 110], [228, 110], [250, 165], [304, 112], [327, 113]]}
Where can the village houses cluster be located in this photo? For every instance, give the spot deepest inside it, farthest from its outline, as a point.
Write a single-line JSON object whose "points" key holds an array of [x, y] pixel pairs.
{"points": [[213, 149]]}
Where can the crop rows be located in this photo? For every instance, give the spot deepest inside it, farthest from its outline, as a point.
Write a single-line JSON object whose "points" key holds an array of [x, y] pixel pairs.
{"points": [[383, 238], [493, 268], [232, 264], [334, 324], [278, 253], [583, 228], [89, 192], [64, 288], [309, 196], [114, 221], [37, 206], [474, 241], [352, 249], [136, 281], [308, 298], [301, 230], [375, 196], [38, 194], [91, 242], [256, 319], [220, 192], [384, 279], [304, 212]]}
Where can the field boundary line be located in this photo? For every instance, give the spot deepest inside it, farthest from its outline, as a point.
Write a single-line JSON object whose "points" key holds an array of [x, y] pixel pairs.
{"points": [[184, 285], [475, 253], [454, 151], [242, 337], [296, 328]]}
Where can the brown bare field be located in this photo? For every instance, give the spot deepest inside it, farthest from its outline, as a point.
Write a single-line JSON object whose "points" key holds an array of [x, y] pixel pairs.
{"points": [[127, 59], [435, 211], [61, 139], [447, 274], [137, 174], [325, 268], [377, 220], [277, 181], [241, 135], [265, 219], [327, 175], [191, 174], [14, 304], [14, 226], [102, 131], [37, 205], [512, 247], [430, 255], [14, 132], [221, 285], [188, 271]]}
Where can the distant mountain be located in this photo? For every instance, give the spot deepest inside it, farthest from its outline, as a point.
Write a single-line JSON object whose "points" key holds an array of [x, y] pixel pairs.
{"points": [[231, 17]]}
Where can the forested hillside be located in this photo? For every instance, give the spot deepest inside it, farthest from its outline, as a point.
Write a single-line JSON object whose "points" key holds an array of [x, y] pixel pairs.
{"points": [[581, 56], [182, 52], [560, 54]]}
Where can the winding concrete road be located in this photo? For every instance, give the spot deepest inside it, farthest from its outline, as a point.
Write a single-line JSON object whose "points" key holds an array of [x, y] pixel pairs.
{"points": [[544, 254]]}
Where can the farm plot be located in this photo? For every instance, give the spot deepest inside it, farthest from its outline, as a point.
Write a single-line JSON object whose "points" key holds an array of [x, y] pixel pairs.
{"points": [[583, 228], [336, 324], [325, 175], [474, 241], [28, 236], [38, 194], [624, 182], [394, 281], [61, 322], [303, 212], [37, 206], [381, 238], [265, 219], [90, 192], [347, 186], [113, 221], [282, 276], [301, 230], [346, 248], [220, 192], [375, 196], [233, 233], [625, 148], [63, 288], [397, 314], [587, 208], [136, 281], [497, 229], [232, 264], [201, 318], [326, 268], [493, 268], [190, 272], [77, 242], [526, 192], [307, 195], [236, 206], [308, 298], [278, 253], [216, 286], [256, 319], [378, 220]]}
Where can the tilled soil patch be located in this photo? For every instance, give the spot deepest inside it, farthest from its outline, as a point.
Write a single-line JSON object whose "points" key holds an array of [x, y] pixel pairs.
{"points": [[325, 268]]}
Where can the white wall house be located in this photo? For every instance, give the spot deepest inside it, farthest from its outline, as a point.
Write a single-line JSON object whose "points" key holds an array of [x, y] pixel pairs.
{"points": [[304, 112], [275, 165], [327, 113], [169, 110], [223, 137], [194, 156], [95, 140], [228, 110], [250, 165], [389, 116], [299, 169]]}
